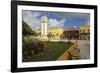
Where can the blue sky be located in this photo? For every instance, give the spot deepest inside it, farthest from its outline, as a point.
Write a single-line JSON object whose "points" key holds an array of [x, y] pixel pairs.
{"points": [[56, 19]]}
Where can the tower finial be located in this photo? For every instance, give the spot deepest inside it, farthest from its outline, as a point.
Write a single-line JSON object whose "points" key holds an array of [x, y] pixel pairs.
{"points": [[44, 19]]}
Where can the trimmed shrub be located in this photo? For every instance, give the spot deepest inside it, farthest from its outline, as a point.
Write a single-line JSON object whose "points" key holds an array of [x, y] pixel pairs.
{"points": [[32, 46]]}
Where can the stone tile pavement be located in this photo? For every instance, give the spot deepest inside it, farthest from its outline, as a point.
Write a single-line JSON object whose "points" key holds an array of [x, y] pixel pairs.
{"points": [[84, 47]]}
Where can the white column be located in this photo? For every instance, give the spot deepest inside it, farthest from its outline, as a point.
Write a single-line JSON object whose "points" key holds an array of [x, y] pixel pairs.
{"points": [[45, 28], [41, 28]]}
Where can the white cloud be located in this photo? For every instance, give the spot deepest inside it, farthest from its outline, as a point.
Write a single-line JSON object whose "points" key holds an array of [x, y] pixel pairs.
{"points": [[61, 23], [31, 19], [56, 23]]}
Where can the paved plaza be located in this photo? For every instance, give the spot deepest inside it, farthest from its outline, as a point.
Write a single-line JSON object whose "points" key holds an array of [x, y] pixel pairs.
{"points": [[84, 47]]}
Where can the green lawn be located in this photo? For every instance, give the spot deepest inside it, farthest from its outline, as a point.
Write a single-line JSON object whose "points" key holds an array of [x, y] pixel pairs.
{"points": [[57, 49]]}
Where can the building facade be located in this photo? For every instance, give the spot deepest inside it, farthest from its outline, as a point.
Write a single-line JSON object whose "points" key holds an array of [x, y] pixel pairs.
{"points": [[71, 34], [84, 32]]}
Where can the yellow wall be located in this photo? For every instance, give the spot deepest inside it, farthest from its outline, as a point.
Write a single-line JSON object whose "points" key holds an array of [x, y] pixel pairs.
{"points": [[84, 27], [56, 31]]}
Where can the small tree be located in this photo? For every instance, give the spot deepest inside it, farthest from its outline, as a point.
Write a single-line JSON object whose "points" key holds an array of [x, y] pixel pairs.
{"points": [[27, 29], [49, 35]]}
